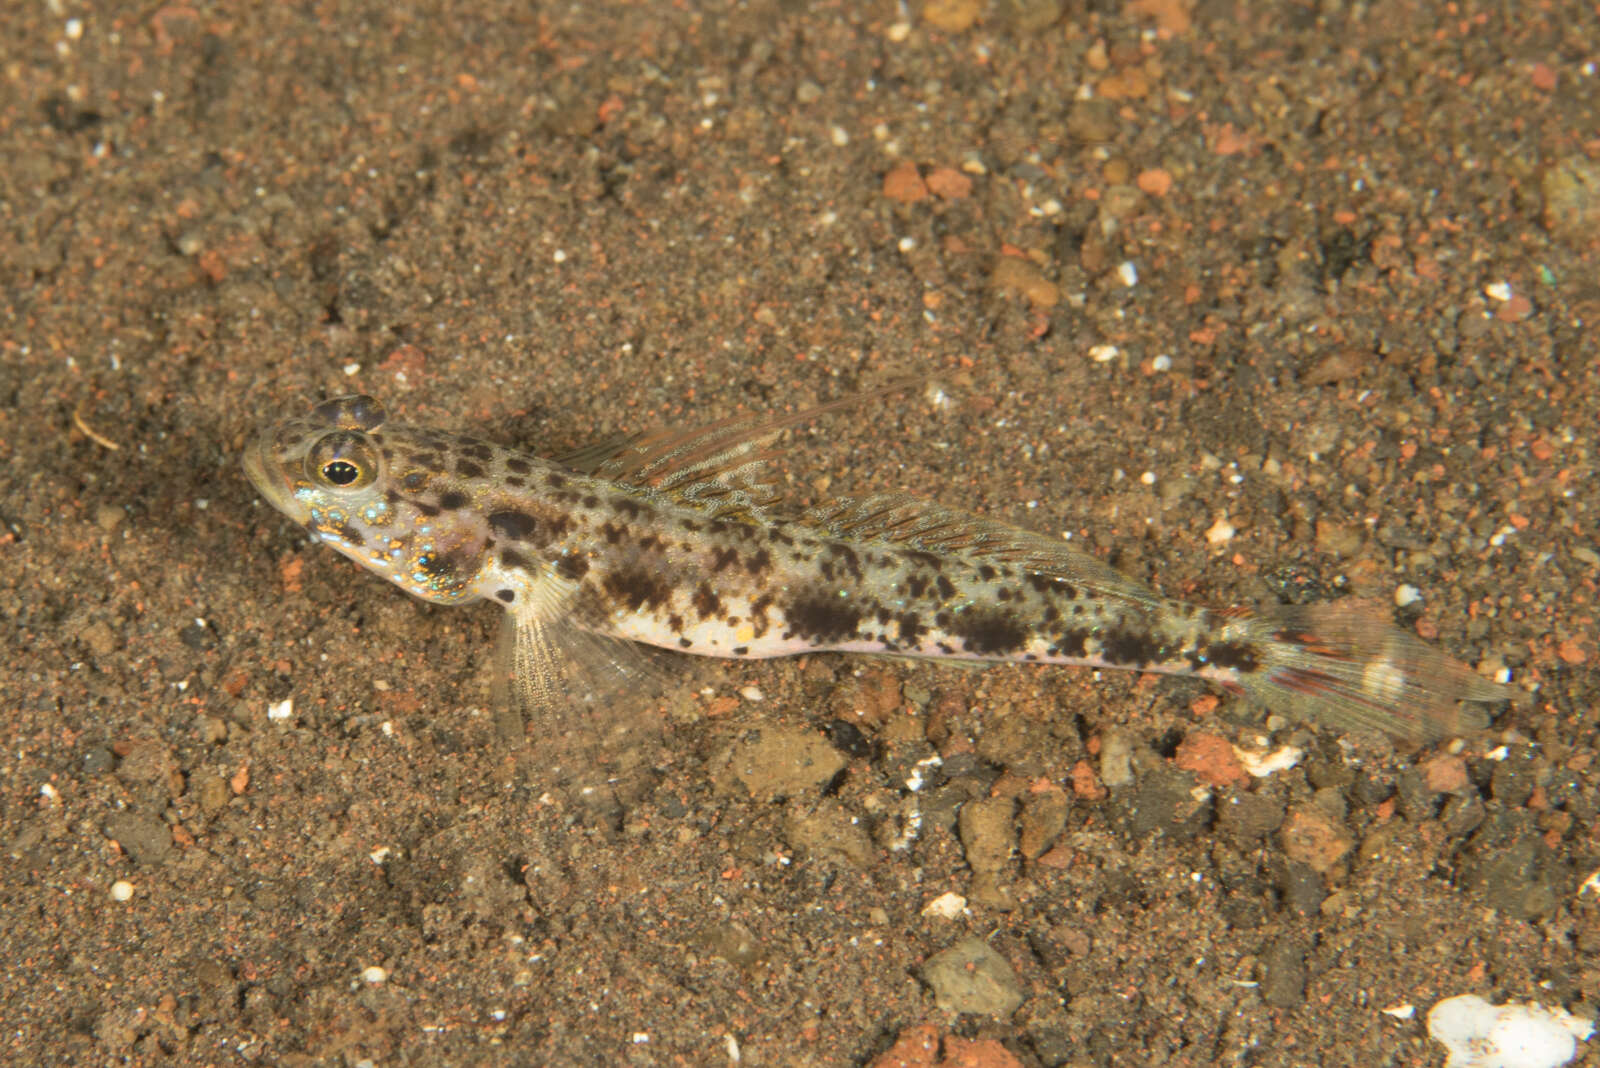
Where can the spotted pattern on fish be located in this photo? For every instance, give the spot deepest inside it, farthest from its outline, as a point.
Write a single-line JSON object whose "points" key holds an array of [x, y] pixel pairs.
{"points": [[667, 539]]}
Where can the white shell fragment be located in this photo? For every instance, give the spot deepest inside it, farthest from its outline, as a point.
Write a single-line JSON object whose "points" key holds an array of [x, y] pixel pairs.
{"points": [[946, 906], [1481, 1035]]}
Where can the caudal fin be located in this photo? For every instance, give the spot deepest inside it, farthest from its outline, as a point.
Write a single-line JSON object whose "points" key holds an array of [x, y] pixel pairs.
{"points": [[1346, 665]]}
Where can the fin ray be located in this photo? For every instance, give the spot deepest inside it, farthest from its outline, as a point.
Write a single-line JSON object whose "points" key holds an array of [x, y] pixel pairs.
{"points": [[719, 468], [585, 696], [899, 519], [1346, 665]]}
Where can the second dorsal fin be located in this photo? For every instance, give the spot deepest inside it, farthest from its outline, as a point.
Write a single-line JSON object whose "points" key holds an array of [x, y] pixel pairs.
{"points": [[898, 519]]}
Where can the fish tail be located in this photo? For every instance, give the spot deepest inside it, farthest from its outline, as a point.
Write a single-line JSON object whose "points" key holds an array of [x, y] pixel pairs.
{"points": [[1346, 665]]}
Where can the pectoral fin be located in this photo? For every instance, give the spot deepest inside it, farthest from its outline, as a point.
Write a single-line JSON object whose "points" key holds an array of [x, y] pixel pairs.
{"points": [[585, 700]]}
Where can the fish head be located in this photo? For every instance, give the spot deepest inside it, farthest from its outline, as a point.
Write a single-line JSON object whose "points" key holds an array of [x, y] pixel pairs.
{"points": [[323, 463], [353, 484]]}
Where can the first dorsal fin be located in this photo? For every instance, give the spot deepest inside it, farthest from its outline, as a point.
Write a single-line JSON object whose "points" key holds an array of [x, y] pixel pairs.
{"points": [[718, 468], [898, 519]]}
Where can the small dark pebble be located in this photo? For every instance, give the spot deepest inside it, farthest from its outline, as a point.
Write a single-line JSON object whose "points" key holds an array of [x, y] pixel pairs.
{"points": [[1053, 1045], [1162, 800], [1283, 986], [1246, 818], [1507, 862], [1329, 769], [1369, 790], [1243, 913], [1051, 953], [1301, 887], [672, 807], [199, 635], [969, 766], [849, 739], [1567, 791], [904, 764], [1416, 801], [1514, 779], [941, 804], [1462, 814], [98, 761], [145, 838]]}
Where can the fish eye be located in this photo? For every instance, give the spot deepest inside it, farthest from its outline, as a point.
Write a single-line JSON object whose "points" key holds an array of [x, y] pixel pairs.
{"points": [[342, 460]]}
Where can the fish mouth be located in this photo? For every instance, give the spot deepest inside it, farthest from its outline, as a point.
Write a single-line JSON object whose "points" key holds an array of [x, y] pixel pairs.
{"points": [[270, 482]]}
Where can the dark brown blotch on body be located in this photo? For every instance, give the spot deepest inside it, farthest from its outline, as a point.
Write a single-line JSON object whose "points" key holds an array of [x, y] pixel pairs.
{"points": [[446, 568], [1122, 646], [910, 627], [706, 602], [989, 631], [636, 588], [631, 508], [758, 614], [1073, 643], [822, 616], [847, 556], [1240, 656], [572, 568], [517, 526], [1049, 584]]}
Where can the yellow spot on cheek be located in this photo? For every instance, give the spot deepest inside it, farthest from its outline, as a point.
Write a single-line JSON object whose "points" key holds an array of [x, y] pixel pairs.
{"points": [[744, 634]]}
